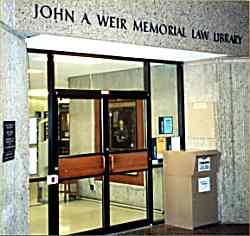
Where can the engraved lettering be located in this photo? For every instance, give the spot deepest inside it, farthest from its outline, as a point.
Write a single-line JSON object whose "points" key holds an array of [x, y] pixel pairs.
{"points": [[112, 22], [35, 11], [227, 38], [200, 34], [85, 18], [46, 12], [57, 14], [149, 27]]}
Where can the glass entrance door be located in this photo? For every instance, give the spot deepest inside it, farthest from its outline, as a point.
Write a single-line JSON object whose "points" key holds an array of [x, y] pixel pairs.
{"points": [[128, 159], [94, 132], [103, 160], [81, 165]]}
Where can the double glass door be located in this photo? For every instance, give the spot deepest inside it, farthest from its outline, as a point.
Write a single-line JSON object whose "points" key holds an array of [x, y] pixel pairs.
{"points": [[97, 141], [103, 160]]}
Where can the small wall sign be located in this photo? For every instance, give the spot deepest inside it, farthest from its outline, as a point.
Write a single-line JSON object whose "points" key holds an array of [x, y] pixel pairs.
{"points": [[204, 164], [165, 125], [9, 140], [204, 185]]}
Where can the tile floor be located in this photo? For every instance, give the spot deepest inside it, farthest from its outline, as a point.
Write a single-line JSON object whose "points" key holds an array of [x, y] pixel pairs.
{"points": [[81, 215]]}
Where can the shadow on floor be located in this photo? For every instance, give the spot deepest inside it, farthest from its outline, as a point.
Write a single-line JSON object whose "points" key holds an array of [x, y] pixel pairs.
{"points": [[218, 229]]}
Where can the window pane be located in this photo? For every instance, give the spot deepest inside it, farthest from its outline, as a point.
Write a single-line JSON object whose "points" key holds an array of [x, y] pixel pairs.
{"points": [[78, 126], [97, 74], [38, 114], [38, 142], [164, 97], [128, 197], [80, 206], [158, 193], [164, 124], [38, 210]]}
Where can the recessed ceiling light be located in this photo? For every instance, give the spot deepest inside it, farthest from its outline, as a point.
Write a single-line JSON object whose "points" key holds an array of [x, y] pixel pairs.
{"points": [[80, 45]]}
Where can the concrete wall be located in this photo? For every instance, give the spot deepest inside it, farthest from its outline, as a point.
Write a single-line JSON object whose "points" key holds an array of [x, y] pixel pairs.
{"points": [[219, 89], [201, 94], [213, 16], [14, 106], [230, 106], [126, 79]]}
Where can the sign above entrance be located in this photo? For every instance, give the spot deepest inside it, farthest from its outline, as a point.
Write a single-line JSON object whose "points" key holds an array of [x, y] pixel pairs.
{"points": [[220, 27], [57, 14]]}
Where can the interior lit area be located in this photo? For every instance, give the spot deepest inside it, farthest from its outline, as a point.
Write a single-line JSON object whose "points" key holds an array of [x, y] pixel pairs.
{"points": [[124, 117], [80, 133]]}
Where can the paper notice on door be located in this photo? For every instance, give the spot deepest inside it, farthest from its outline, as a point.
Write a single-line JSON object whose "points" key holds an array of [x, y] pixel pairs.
{"points": [[176, 144], [204, 185], [204, 164]]}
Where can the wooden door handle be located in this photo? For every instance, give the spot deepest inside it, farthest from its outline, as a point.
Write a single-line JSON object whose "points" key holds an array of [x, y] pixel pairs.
{"points": [[103, 162], [112, 160]]}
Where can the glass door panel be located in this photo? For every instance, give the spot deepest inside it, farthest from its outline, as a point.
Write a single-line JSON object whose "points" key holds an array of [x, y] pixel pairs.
{"points": [[164, 111], [82, 156], [38, 211], [38, 144], [80, 206], [128, 160], [128, 197], [81, 165], [78, 125]]}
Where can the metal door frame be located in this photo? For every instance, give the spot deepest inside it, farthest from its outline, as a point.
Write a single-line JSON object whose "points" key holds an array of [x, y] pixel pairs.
{"points": [[53, 94], [106, 185]]}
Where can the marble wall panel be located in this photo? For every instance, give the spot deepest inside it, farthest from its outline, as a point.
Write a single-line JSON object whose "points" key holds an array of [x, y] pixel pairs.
{"points": [[229, 17], [14, 106], [224, 83], [7, 12]]}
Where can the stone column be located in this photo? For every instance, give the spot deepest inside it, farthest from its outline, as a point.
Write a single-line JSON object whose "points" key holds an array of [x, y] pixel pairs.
{"points": [[232, 140], [224, 83], [14, 107]]}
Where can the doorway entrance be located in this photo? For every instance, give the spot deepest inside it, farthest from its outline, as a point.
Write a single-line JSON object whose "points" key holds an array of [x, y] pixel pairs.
{"points": [[104, 116], [108, 154], [97, 129]]}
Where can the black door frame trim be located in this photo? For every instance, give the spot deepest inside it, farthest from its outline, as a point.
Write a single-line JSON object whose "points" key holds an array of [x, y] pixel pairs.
{"points": [[181, 105], [53, 201], [53, 197], [149, 176]]}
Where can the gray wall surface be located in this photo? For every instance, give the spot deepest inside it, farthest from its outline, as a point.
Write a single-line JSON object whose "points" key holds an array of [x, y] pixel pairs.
{"points": [[14, 106], [224, 83], [131, 79], [227, 17], [230, 78]]}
